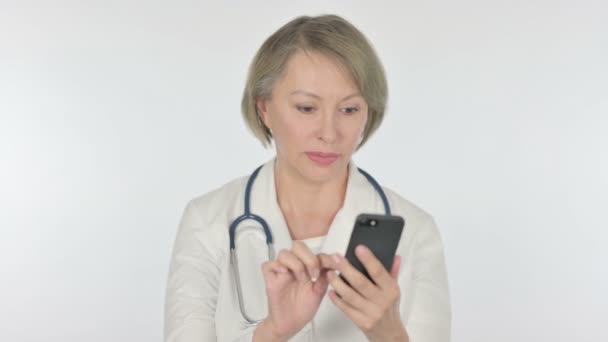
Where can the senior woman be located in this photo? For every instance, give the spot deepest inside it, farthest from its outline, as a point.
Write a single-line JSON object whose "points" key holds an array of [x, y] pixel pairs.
{"points": [[318, 90]]}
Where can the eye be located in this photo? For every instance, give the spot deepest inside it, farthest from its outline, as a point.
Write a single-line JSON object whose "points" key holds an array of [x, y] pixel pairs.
{"points": [[351, 110], [305, 109]]}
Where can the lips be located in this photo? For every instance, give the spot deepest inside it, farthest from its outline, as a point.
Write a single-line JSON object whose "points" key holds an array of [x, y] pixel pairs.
{"points": [[323, 155], [323, 158]]}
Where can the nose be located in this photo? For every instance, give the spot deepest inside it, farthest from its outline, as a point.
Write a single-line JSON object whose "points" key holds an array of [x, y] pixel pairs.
{"points": [[328, 132]]}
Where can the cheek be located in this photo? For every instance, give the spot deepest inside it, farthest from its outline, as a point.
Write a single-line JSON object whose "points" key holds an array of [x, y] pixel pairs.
{"points": [[297, 135], [355, 128], [290, 132]]}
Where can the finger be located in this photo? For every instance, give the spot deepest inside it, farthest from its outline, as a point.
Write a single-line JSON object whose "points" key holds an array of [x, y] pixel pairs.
{"points": [[357, 280], [327, 261], [272, 269], [266, 270], [276, 276], [320, 286], [348, 294], [276, 267], [396, 267], [374, 267], [295, 265], [300, 250], [356, 316]]}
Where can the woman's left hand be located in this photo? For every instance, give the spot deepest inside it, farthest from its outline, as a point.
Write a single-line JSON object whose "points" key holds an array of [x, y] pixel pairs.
{"points": [[374, 308]]}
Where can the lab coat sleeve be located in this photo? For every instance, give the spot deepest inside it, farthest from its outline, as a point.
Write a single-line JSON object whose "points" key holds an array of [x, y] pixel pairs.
{"points": [[192, 285], [429, 316]]}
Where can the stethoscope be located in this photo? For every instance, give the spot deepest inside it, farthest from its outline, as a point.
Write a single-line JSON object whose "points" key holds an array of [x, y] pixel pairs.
{"points": [[248, 215]]}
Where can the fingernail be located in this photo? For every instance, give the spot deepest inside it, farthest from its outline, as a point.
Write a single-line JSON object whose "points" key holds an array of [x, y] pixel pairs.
{"points": [[361, 250], [315, 275], [337, 258]]}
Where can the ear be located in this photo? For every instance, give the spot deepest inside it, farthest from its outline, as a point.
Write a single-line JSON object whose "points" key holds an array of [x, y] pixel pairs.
{"points": [[262, 110]]}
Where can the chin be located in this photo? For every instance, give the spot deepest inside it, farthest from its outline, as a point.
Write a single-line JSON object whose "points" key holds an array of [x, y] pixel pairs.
{"points": [[321, 174]]}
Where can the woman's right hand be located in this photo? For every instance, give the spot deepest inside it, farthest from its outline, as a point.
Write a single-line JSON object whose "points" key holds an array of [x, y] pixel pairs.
{"points": [[295, 286]]}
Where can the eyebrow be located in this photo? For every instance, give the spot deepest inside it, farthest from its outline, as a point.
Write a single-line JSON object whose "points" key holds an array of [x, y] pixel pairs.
{"points": [[303, 92]]}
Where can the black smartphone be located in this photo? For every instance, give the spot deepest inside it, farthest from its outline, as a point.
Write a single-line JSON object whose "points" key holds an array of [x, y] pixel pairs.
{"points": [[381, 234]]}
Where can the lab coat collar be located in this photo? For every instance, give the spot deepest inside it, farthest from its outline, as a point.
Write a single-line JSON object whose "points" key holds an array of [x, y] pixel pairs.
{"points": [[361, 197]]}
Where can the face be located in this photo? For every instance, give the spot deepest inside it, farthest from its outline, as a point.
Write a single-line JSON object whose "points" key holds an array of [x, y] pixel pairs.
{"points": [[316, 115]]}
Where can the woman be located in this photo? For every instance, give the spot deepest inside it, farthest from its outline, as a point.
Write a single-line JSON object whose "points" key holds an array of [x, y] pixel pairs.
{"points": [[317, 89]]}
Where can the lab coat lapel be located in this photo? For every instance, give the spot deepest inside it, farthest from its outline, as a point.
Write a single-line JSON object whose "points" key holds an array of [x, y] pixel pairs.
{"points": [[264, 203]]}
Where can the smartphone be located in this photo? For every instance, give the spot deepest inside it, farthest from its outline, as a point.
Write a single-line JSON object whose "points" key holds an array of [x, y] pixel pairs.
{"points": [[381, 234]]}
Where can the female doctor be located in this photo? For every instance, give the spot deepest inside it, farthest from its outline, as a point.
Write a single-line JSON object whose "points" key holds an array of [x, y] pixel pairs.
{"points": [[318, 90]]}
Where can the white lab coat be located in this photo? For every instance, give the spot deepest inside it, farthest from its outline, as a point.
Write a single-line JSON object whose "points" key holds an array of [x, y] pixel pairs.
{"points": [[201, 300]]}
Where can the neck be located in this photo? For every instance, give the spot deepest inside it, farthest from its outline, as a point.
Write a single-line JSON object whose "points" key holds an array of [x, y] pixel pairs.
{"points": [[308, 207]]}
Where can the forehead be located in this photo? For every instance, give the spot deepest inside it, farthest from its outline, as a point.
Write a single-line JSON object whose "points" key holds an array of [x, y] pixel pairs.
{"points": [[316, 72]]}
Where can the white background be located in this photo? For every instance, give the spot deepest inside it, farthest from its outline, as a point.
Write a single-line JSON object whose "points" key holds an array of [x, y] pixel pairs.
{"points": [[113, 114]]}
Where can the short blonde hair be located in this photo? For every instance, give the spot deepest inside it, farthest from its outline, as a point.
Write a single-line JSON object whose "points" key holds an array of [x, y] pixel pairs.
{"points": [[328, 34]]}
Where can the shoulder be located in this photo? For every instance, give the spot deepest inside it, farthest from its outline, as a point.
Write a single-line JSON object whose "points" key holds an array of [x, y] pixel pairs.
{"points": [[406, 208], [218, 204], [203, 227]]}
